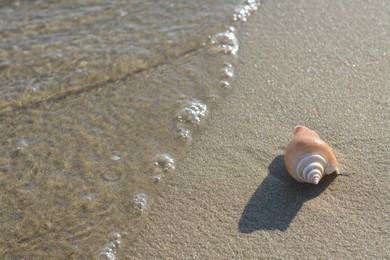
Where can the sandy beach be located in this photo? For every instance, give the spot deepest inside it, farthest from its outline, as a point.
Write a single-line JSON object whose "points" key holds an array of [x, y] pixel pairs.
{"points": [[325, 65]]}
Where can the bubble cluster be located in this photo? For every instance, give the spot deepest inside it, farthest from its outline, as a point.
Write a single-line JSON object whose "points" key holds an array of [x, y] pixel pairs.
{"points": [[184, 133], [109, 252], [164, 163], [161, 165], [23, 143], [225, 42], [192, 112], [140, 202], [189, 116], [245, 10], [228, 71]]}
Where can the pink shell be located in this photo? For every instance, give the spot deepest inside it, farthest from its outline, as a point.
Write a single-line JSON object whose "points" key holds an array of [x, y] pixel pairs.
{"points": [[305, 142]]}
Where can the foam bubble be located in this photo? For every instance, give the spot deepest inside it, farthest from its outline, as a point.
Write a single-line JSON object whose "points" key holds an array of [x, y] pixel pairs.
{"points": [[89, 197], [140, 202], [224, 84], [23, 143], [111, 176], [115, 157], [157, 178]]}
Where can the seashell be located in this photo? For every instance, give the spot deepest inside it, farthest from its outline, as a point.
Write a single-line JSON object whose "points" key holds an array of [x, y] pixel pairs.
{"points": [[308, 158]]}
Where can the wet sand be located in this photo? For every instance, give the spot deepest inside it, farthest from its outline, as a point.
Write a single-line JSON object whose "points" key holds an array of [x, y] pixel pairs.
{"points": [[98, 103], [321, 64]]}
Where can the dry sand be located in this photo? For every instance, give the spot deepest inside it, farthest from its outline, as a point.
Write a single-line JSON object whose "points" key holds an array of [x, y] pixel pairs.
{"points": [[322, 64]]}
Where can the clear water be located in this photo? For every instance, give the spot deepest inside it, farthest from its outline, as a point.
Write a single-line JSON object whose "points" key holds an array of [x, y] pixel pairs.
{"points": [[99, 100]]}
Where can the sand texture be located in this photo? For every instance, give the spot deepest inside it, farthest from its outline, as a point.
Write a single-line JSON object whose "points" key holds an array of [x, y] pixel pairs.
{"points": [[322, 64]]}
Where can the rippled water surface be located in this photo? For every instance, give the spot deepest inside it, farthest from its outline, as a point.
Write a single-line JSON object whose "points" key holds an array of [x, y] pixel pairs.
{"points": [[99, 100]]}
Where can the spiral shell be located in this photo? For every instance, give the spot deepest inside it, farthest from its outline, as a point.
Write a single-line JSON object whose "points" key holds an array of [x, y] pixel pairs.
{"points": [[308, 158]]}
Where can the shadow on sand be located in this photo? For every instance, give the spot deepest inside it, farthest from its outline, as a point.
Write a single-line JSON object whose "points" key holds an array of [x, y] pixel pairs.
{"points": [[278, 199]]}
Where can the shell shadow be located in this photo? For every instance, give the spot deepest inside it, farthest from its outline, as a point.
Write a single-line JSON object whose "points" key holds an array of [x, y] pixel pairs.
{"points": [[278, 199]]}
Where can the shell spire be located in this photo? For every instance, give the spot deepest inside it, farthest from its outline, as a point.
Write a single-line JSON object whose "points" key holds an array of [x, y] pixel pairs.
{"points": [[308, 158]]}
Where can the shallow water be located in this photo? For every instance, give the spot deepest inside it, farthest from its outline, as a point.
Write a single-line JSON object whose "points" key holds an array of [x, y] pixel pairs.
{"points": [[99, 100]]}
